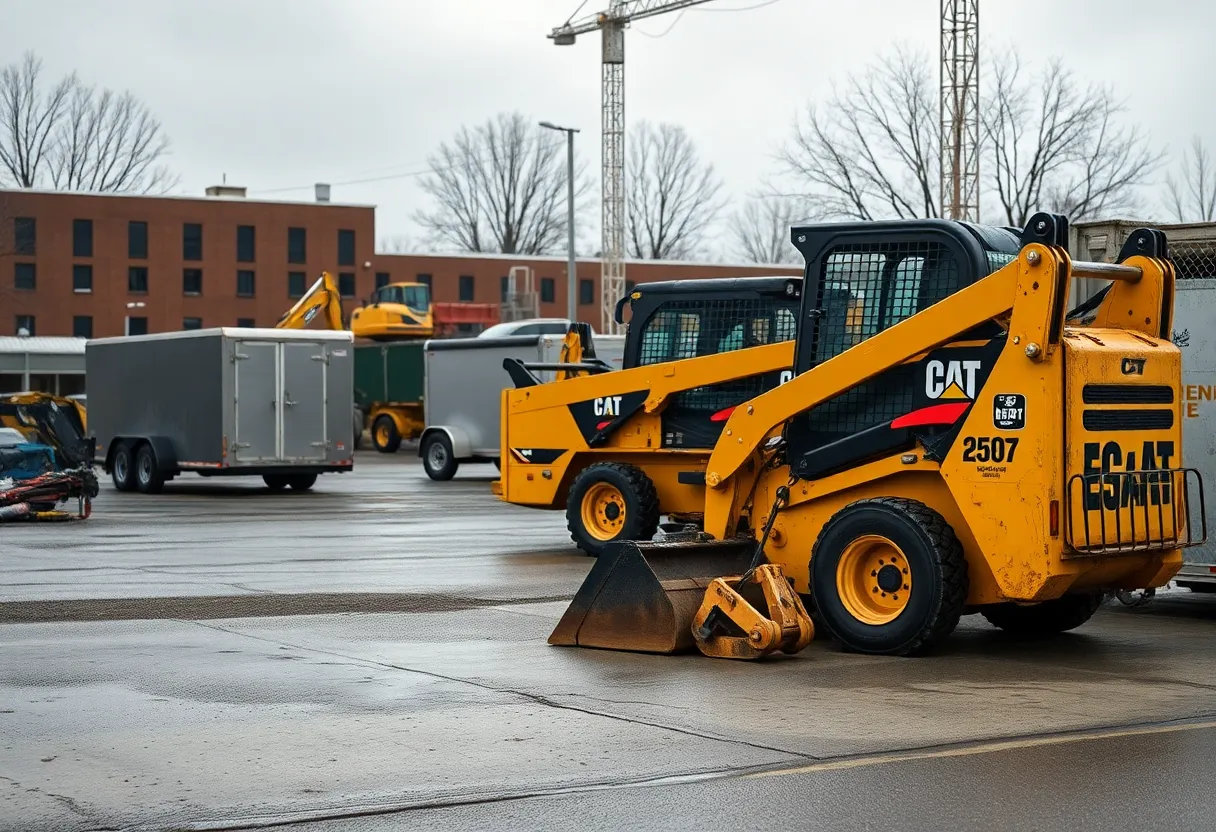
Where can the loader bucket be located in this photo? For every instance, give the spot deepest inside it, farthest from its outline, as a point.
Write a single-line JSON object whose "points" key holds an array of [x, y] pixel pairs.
{"points": [[642, 597]]}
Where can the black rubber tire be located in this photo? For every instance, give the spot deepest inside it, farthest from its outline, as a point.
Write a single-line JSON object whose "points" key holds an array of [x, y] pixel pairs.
{"points": [[1046, 619], [301, 482], [122, 468], [394, 436], [148, 477], [641, 504], [275, 482], [934, 556], [438, 458]]}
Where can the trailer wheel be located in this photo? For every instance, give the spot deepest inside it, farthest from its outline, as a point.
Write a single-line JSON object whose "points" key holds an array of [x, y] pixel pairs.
{"points": [[385, 435], [148, 476], [301, 482], [888, 577], [275, 482], [438, 458], [611, 501], [122, 468], [1048, 618]]}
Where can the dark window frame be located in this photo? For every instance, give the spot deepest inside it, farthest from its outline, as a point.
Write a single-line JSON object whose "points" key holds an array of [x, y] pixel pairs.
{"points": [[25, 236], [303, 278], [347, 285], [76, 326], [246, 244], [132, 272], [548, 290], [82, 238], [192, 245], [295, 257], [382, 280], [137, 322], [32, 327], [467, 280], [137, 249], [346, 247], [82, 270], [186, 323], [246, 323], [18, 268], [586, 292], [252, 277], [186, 275]]}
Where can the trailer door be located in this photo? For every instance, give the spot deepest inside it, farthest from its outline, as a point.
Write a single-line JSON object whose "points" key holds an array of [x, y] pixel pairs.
{"points": [[257, 401], [304, 400]]}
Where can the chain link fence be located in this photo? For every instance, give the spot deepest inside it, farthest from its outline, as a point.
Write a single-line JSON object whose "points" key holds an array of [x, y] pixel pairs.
{"points": [[1193, 259]]}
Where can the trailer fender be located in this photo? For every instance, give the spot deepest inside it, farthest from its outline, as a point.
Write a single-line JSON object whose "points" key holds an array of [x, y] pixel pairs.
{"points": [[162, 446], [462, 445]]}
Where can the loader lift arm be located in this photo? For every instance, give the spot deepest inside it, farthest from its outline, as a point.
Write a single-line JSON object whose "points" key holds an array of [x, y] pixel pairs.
{"points": [[322, 296]]}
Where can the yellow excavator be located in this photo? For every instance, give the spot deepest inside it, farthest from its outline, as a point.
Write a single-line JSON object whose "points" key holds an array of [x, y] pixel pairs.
{"points": [[321, 297], [976, 448], [398, 311]]}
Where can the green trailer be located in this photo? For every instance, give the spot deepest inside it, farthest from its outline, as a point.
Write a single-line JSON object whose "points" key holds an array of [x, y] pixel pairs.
{"points": [[389, 385]]}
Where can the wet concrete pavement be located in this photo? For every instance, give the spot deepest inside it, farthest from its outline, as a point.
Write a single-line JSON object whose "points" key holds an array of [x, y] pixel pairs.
{"points": [[451, 712]]}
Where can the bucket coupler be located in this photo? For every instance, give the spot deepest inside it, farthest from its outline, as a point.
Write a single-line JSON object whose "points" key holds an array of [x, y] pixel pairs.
{"points": [[642, 597], [749, 616]]}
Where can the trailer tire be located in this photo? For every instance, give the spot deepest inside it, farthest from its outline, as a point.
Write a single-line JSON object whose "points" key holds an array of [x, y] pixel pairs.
{"points": [[275, 482], [888, 577], [1046, 619], [149, 479], [438, 458], [611, 501], [385, 435], [122, 468], [301, 482]]}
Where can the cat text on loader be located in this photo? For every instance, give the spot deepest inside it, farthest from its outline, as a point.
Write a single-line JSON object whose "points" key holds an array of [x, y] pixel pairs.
{"points": [[980, 450], [618, 450]]}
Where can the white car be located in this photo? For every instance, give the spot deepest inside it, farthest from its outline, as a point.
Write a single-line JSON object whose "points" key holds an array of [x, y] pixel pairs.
{"points": [[529, 326]]}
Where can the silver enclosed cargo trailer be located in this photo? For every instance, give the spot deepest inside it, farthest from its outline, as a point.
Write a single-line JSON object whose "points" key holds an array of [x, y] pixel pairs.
{"points": [[274, 403]]}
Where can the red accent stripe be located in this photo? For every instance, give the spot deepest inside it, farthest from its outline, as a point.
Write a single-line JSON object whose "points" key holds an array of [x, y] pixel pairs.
{"points": [[722, 415], [938, 414], [603, 425]]}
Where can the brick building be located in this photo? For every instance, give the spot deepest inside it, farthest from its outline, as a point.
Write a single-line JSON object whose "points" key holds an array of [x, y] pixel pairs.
{"points": [[89, 265]]}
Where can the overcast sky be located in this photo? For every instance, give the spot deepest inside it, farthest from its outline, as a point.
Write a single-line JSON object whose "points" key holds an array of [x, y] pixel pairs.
{"points": [[278, 94]]}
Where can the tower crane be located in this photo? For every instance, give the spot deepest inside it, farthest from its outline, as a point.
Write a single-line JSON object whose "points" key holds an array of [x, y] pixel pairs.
{"points": [[959, 138], [612, 23]]}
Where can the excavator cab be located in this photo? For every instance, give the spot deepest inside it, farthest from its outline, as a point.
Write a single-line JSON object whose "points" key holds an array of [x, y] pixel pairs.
{"points": [[395, 311]]}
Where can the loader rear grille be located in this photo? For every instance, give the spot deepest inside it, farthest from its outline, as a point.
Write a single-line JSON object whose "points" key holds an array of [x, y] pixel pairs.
{"points": [[1107, 420], [1127, 394], [1123, 512]]}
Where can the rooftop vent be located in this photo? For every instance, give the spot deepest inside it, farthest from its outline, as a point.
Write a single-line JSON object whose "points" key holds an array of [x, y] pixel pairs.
{"points": [[322, 189], [225, 190]]}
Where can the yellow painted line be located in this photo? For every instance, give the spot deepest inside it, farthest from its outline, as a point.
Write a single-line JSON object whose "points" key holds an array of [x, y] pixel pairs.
{"points": [[886, 758]]}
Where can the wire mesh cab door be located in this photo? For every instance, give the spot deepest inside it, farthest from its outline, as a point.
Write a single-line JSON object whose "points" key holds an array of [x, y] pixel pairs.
{"points": [[862, 279], [694, 321]]}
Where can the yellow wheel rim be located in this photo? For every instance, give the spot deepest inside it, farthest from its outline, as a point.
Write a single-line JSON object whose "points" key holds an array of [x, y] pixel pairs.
{"points": [[603, 511], [873, 580], [382, 436]]}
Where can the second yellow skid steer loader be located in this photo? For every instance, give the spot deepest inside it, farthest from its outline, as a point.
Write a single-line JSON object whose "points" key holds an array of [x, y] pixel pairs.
{"points": [[618, 450], [976, 448]]}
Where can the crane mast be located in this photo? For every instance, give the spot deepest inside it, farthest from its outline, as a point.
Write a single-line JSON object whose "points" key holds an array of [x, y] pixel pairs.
{"points": [[611, 24], [960, 110]]}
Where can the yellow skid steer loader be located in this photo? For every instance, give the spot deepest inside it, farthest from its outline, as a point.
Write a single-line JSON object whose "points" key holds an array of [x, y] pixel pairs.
{"points": [[618, 450], [974, 448]]}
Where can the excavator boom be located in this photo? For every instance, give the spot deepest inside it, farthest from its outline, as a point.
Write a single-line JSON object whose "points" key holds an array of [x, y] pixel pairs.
{"points": [[323, 296]]}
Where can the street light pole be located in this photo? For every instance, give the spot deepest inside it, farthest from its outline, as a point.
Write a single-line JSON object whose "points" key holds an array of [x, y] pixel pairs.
{"points": [[571, 266]]}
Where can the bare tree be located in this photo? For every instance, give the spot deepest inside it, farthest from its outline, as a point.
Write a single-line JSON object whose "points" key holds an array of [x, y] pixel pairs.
{"points": [[672, 197], [399, 244], [1192, 196], [872, 150], [500, 187], [761, 230], [76, 137], [1055, 144]]}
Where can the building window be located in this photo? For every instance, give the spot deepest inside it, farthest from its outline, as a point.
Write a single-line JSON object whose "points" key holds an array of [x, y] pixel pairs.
{"points": [[346, 247], [82, 278], [245, 283], [25, 276], [346, 285], [382, 279], [137, 279], [26, 322], [192, 281], [245, 323], [137, 326], [586, 292], [297, 245], [425, 280], [82, 238], [295, 284], [192, 241], [137, 240], [504, 287], [25, 235], [466, 288], [82, 326], [546, 290], [192, 323], [245, 248]]}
